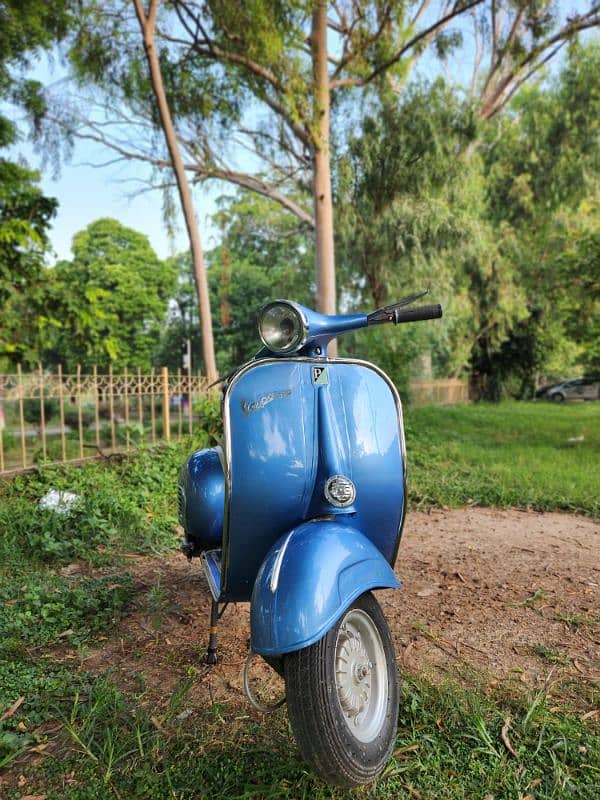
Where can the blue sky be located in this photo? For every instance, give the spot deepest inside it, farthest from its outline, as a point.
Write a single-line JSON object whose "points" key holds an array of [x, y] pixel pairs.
{"points": [[86, 193]]}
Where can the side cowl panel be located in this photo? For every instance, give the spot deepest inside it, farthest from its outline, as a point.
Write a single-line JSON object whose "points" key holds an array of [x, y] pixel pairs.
{"points": [[202, 499], [308, 578]]}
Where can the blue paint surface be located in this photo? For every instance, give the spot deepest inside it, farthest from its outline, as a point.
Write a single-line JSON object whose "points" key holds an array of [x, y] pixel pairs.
{"points": [[308, 579]]}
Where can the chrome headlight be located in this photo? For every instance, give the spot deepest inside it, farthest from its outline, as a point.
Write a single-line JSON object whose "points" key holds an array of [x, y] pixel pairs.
{"points": [[282, 327]]}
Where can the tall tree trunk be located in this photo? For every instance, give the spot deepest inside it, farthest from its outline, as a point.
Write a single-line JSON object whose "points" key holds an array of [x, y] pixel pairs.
{"points": [[325, 256], [148, 26]]}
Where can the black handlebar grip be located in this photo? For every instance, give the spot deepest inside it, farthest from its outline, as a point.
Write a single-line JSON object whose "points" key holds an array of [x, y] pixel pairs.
{"points": [[416, 314]]}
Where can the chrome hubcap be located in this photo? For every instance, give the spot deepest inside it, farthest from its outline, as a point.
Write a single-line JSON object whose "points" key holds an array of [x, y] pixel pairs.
{"points": [[361, 675]]}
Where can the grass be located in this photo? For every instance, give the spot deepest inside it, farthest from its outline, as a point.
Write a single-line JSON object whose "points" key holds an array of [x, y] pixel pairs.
{"points": [[526, 455], [63, 584], [450, 744]]}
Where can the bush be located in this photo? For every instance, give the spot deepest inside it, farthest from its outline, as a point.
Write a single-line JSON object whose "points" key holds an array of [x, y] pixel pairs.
{"points": [[88, 416], [32, 409], [211, 419]]}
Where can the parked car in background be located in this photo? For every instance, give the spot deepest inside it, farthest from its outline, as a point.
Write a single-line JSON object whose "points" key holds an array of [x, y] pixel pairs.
{"points": [[575, 389], [545, 388]]}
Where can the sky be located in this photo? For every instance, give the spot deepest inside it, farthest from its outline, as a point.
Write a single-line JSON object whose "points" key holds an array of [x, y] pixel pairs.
{"points": [[86, 193]]}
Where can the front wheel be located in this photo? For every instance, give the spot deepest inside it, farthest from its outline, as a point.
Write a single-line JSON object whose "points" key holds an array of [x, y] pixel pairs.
{"points": [[342, 696]]}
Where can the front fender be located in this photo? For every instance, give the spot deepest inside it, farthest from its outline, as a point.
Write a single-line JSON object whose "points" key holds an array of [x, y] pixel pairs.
{"points": [[309, 577]]}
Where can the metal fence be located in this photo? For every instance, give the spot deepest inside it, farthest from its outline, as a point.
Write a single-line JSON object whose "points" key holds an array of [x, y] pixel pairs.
{"points": [[439, 393], [50, 417], [53, 417]]}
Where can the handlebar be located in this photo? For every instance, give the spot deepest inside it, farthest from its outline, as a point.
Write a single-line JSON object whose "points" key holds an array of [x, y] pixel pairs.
{"points": [[397, 312], [416, 314]]}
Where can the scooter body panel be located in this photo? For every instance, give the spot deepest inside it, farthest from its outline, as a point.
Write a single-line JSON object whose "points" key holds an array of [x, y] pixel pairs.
{"points": [[290, 423], [308, 579]]}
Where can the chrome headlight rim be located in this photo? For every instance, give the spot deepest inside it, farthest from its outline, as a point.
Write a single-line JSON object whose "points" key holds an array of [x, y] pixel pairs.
{"points": [[296, 344]]}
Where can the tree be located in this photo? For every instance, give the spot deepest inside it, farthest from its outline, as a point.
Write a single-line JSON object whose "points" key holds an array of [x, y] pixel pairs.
{"points": [[542, 175], [111, 299], [293, 64], [25, 218], [147, 23], [26, 27], [262, 257]]}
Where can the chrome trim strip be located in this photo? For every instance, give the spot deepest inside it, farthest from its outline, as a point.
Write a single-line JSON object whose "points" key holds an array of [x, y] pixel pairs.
{"points": [[227, 439], [209, 576], [274, 582]]}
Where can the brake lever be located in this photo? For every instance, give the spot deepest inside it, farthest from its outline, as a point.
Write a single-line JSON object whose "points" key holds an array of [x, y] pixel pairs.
{"points": [[388, 313]]}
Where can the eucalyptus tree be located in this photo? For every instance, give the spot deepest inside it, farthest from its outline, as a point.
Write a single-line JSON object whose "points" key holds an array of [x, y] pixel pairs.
{"points": [[280, 78]]}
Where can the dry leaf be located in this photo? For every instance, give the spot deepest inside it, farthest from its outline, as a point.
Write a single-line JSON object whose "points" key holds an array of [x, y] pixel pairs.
{"points": [[39, 748], [535, 782], [10, 711], [590, 714], [34, 797], [504, 737], [408, 749], [22, 727]]}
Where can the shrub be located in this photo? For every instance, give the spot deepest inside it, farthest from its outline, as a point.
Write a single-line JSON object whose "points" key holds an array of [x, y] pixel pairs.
{"points": [[32, 409]]}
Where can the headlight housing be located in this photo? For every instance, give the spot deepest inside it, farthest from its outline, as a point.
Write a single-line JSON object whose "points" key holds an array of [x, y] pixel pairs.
{"points": [[282, 327]]}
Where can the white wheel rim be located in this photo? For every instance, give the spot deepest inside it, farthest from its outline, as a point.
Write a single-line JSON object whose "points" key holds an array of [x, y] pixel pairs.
{"points": [[361, 675]]}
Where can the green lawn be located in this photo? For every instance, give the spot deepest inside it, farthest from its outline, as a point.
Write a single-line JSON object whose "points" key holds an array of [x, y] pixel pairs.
{"points": [[100, 743], [529, 455]]}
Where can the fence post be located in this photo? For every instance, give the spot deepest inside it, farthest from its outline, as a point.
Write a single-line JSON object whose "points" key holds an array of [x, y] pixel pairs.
{"points": [[61, 407], [126, 382], [22, 417], [165, 404], [97, 407], [140, 401], [1, 426], [111, 406], [152, 410], [42, 411], [79, 411]]}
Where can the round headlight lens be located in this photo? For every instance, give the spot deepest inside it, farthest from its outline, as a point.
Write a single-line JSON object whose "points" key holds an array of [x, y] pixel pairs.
{"points": [[281, 327]]}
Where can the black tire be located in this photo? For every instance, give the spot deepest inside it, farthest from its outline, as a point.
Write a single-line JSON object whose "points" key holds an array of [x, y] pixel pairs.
{"points": [[558, 397], [322, 727]]}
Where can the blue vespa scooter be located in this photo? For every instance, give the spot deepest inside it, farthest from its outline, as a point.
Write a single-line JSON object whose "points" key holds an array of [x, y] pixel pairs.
{"points": [[300, 513]]}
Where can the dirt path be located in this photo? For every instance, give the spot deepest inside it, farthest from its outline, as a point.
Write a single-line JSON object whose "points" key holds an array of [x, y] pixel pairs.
{"points": [[509, 594]]}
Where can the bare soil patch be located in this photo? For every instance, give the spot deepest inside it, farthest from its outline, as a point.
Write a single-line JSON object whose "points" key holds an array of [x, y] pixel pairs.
{"points": [[508, 595]]}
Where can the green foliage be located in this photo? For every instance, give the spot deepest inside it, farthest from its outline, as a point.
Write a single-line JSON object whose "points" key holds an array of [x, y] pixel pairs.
{"points": [[512, 454], [110, 301], [42, 608], [211, 418], [25, 217], [263, 256], [44, 687], [32, 409], [542, 165], [128, 506]]}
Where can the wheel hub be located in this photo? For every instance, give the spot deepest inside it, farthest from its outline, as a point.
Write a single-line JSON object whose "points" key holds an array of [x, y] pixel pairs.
{"points": [[353, 669]]}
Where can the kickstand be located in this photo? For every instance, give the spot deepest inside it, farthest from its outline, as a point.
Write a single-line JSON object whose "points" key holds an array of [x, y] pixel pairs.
{"points": [[211, 652]]}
